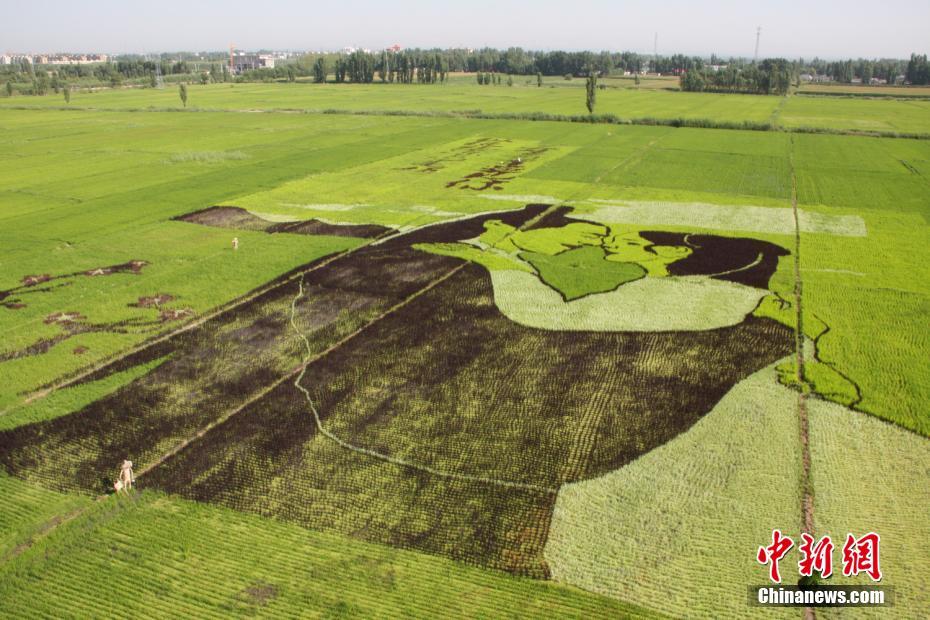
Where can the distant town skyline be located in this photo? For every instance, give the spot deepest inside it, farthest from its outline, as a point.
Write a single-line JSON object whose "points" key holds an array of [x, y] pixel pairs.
{"points": [[828, 29]]}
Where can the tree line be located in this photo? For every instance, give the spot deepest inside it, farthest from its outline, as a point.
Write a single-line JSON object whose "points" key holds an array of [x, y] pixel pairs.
{"points": [[432, 66], [771, 76]]}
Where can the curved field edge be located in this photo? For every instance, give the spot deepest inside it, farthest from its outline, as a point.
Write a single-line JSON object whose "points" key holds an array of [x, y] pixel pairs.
{"points": [[680, 304], [153, 555], [716, 492], [677, 529], [73, 398]]}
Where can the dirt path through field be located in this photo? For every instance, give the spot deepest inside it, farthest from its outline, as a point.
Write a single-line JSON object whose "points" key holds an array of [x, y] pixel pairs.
{"points": [[807, 492]]}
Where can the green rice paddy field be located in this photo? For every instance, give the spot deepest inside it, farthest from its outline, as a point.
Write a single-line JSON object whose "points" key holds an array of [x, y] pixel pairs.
{"points": [[555, 97], [407, 393]]}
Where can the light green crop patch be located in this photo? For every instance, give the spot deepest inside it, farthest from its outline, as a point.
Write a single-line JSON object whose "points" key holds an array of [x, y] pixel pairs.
{"points": [[67, 400], [650, 531], [581, 271]]}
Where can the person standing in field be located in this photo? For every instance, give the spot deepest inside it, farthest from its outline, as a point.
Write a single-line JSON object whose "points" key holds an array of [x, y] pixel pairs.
{"points": [[235, 243], [126, 478]]}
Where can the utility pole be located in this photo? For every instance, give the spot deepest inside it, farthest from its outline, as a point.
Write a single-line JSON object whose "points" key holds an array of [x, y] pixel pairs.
{"points": [[755, 56]]}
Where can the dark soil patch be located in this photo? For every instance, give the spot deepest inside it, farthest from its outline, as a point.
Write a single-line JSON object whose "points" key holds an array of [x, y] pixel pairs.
{"points": [[63, 318], [225, 217], [462, 153], [239, 218], [494, 177], [316, 227], [33, 280], [152, 301], [260, 593], [133, 266], [175, 314], [81, 350], [712, 254]]}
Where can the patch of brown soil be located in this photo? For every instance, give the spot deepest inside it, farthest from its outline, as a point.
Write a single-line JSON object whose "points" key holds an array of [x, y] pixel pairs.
{"points": [[175, 314], [64, 317], [225, 217], [494, 177], [316, 227], [33, 280], [152, 301], [260, 593]]}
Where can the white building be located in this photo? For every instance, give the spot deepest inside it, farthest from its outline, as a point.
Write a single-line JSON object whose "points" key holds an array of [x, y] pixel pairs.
{"points": [[247, 62]]}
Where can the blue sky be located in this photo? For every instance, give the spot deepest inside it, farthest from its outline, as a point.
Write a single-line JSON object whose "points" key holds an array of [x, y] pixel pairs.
{"points": [[790, 28]]}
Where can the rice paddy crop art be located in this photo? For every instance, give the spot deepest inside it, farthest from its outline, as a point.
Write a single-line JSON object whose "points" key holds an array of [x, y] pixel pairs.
{"points": [[439, 406], [390, 350]]}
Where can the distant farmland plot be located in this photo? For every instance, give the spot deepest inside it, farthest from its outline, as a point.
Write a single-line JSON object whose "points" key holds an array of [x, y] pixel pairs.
{"points": [[450, 348], [861, 114], [463, 95]]}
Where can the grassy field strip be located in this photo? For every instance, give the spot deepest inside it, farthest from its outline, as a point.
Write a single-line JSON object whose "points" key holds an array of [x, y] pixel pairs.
{"points": [[26, 510], [65, 401], [874, 129], [158, 556]]}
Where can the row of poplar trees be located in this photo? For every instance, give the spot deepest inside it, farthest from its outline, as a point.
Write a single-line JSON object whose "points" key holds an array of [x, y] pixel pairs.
{"points": [[403, 67]]}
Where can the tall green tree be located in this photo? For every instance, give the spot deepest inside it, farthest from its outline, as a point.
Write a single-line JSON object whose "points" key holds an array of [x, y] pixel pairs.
{"points": [[67, 91], [9, 89], [591, 91], [182, 91], [319, 70], [539, 80]]}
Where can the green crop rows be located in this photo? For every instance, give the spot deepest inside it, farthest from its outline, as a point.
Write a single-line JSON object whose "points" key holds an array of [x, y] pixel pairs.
{"points": [[448, 348]]}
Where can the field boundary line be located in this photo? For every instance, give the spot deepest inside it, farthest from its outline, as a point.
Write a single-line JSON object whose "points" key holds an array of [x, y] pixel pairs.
{"points": [[807, 491]]}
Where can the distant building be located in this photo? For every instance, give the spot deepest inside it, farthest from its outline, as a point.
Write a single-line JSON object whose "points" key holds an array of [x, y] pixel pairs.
{"points": [[6, 59], [395, 48], [247, 62], [66, 59]]}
